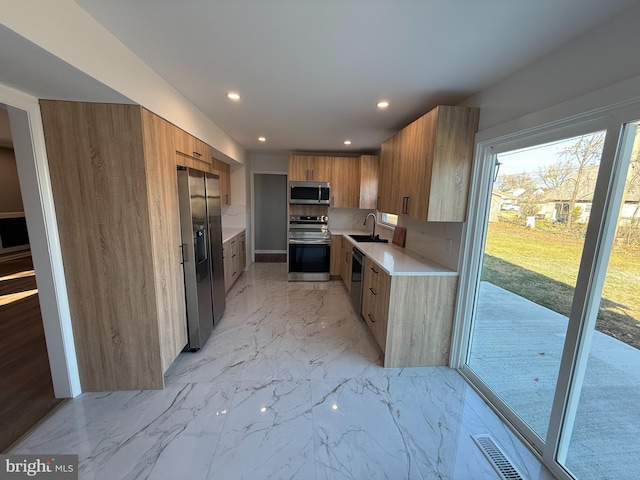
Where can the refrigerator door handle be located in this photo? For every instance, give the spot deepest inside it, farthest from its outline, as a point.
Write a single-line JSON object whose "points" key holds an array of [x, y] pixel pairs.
{"points": [[183, 254]]}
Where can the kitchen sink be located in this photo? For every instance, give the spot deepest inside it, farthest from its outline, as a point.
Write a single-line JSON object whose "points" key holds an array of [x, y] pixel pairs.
{"points": [[368, 238]]}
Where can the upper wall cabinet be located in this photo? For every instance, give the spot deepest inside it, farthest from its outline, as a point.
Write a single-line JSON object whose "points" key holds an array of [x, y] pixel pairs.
{"points": [[345, 182], [369, 175], [191, 146], [310, 168], [354, 180], [224, 172], [425, 168]]}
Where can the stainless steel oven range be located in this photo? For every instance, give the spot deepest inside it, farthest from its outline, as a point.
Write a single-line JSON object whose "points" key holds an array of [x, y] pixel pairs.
{"points": [[309, 248]]}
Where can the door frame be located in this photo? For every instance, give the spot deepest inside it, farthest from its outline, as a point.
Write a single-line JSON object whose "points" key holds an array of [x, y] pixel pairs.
{"points": [[253, 205], [37, 196]]}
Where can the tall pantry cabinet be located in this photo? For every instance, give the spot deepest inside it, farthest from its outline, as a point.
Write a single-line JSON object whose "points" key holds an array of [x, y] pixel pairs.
{"points": [[113, 175]]}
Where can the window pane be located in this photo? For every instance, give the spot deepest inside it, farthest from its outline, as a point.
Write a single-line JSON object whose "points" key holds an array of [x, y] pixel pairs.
{"points": [[390, 218], [605, 433], [540, 206]]}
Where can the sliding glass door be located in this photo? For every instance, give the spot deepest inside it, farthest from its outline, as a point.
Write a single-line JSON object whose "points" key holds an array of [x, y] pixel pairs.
{"points": [[539, 211], [551, 331], [601, 432]]}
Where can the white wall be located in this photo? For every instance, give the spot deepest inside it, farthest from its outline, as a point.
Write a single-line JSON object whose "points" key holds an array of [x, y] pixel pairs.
{"points": [[269, 162], [81, 41], [603, 56]]}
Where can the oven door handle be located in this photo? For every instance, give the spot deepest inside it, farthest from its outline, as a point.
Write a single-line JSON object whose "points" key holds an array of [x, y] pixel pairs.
{"points": [[309, 242]]}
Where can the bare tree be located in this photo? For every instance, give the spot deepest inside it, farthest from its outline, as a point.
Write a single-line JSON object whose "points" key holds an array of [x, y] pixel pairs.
{"points": [[555, 175], [631, 187], [586, 152]]}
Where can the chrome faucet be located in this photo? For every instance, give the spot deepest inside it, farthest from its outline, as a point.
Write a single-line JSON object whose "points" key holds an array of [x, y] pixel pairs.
{"points": [[373, 215]]}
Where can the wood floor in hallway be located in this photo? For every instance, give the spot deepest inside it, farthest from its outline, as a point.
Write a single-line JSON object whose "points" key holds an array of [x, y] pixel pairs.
{"points": [[26, 389]]}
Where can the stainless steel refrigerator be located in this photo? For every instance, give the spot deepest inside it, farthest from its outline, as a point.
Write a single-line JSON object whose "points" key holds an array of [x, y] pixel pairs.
{"points": [[201, 230]]}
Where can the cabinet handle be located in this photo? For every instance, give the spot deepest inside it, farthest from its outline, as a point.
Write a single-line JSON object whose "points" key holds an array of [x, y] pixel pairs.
{"points": [[196, 154], [377, 203], [371, 318], [407, 207], [373, 291], [374, 270], [183, 255]]}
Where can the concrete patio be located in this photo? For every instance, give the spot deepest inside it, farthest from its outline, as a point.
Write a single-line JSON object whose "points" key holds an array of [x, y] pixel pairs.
{"points": [[516, 349]]}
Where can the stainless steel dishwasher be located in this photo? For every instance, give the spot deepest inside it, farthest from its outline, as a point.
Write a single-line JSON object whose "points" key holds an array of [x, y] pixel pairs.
{"points": [[356, 281]]}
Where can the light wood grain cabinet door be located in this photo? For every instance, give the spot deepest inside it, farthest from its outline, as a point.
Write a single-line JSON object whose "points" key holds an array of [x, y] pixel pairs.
{"points": [[390, 184], [369, 174], [310, 168], [345, 183], [336, 255], [321, 169], [225, 183], [300, 167], [375, 304]]}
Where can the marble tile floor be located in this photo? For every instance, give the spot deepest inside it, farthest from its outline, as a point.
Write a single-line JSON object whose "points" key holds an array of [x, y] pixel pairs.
{"points": [[289, 386]]}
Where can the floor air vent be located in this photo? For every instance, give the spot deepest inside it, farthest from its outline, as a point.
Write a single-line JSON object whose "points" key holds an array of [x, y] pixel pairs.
{"points": [[497, 458]]}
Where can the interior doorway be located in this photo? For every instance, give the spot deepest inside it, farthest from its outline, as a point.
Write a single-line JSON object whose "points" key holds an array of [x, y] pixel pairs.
{"points": [[270, 219], [26, 386]]}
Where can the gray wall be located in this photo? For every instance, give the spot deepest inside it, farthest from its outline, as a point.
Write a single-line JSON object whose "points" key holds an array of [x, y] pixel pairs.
{"points": [[270, 212], [10, 199]]}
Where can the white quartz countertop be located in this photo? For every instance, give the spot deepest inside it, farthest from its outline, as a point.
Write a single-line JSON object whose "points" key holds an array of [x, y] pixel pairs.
{"points": [[229, 233], [395, 260]]}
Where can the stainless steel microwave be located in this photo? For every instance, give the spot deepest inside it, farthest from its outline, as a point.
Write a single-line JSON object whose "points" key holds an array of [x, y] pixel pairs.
{"points": [[309, 193]]}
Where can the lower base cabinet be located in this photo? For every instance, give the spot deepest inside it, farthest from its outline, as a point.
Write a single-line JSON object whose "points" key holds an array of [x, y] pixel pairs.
{"points": [[234, 253], [345, 262], [411, 317]]}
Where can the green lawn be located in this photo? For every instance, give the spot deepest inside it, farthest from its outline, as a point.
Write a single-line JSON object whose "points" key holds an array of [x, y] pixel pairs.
{"points": [[543, 267]]}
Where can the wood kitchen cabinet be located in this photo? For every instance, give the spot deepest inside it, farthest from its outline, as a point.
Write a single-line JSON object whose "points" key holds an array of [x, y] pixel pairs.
{"points": [[234, 256], [345, 182], [337, 256], [425, 168], [310, 168], [411, 317], [224, 172], [369, 166], [190, 146], [114, 182], [376, 287]]}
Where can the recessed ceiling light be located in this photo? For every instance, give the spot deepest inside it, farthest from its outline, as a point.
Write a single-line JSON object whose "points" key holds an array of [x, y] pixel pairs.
{"points": [[262, 139], [382, 104], [347, 142], [233, 96]]}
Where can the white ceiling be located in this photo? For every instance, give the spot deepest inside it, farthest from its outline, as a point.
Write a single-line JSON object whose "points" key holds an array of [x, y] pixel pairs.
{"points": [[310, 72]]}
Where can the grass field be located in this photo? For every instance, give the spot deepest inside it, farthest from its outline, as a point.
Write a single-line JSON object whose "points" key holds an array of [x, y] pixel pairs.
{"points": [[543, 267]]}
